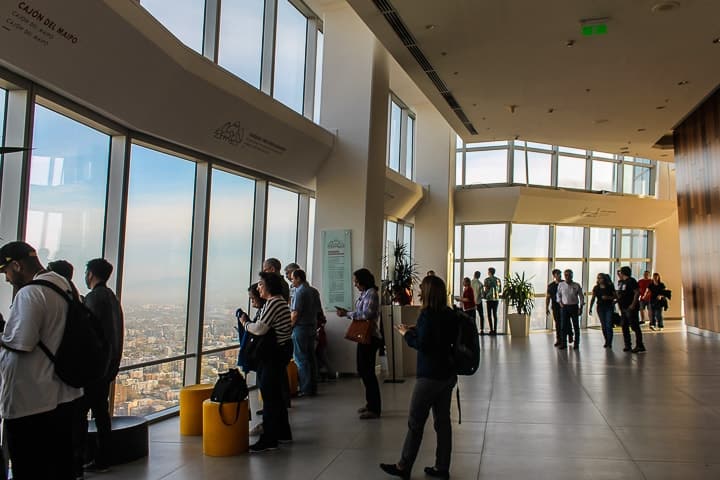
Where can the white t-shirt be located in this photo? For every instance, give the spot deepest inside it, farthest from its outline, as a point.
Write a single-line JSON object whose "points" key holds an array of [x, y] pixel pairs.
{"points": [[28, 384]]}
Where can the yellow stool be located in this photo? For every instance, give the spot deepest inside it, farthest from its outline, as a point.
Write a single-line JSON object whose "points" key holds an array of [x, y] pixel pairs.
{"points": [[191, 400], [293, 381], [220, 440]]}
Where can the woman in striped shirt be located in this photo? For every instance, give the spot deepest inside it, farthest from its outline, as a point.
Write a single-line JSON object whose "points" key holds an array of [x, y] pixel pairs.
{"points": [[274, 317]]}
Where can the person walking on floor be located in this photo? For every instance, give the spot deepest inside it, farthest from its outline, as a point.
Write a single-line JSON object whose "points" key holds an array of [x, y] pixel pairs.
{"points": [[477, 286], [604, 294], [658, 302], [628, 300], [571, 299], [551, 300], [433, 337], [492, 287]]}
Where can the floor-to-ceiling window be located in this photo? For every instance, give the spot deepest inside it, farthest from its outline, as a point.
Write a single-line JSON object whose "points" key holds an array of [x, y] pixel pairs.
{"points": [[229, 258], [282, 225], [183, 18], [401, 138], [66, 202], [240, 41]]}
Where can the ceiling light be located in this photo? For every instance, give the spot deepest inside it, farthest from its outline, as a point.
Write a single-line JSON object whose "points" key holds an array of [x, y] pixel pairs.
{"points": [[660, 107], [430, 27], [683, 82], [511, 108], [665, 6], [551, 110], [455, 73], [443, 53], [716, 40], [601, 120], [570, 43], [641, 129]]}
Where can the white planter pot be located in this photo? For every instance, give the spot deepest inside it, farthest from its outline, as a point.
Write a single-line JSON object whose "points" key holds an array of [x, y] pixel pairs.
{"points": [[519, 324]]}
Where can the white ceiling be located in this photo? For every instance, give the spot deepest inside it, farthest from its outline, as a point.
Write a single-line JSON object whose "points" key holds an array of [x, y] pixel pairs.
{"points": [[604, 91]]}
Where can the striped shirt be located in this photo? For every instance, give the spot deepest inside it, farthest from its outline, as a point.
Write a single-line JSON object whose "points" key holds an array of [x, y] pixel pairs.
{"points": [[367, 307], [274, 314]]}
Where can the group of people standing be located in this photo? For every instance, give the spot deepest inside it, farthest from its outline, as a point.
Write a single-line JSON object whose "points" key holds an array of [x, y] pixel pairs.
{"points": [[45, 419], [565, 298], [475, 291]]}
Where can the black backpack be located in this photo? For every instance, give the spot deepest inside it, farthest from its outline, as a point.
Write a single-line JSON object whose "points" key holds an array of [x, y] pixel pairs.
{"points": [[466, 349], [83, 355]]}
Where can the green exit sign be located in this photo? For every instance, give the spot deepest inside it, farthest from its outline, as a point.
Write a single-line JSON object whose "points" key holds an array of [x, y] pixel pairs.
{"points": [[590, 30]]}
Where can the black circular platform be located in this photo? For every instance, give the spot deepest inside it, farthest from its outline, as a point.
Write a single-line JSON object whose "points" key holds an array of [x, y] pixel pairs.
{"points": [[128, 440]]}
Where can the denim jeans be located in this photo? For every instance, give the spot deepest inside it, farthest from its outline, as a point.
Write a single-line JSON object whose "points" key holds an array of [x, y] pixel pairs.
{"points": [[570, 321], [656, 316], [303, 337], [436, 395], [606, 321]]}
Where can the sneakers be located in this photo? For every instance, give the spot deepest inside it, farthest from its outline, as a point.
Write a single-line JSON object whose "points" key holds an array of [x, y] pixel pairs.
{"points": [[434, 472], [262, 446], [362, 410], [652, 327], [257, 430], [640, 349]]}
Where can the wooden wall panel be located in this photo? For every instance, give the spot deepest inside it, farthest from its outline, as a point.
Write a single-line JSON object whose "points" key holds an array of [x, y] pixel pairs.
{"points": [[697, 157]]}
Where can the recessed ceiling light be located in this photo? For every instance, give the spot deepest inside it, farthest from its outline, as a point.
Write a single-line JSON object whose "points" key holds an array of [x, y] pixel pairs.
{"points": [[660, 107], [683, 82], [570, 43], [430, 26], [601, 120], [551, 110], [455, 73], [587, 90], [665, 6], [664, 155], [443, 53], [716, 40], [641, 129]]}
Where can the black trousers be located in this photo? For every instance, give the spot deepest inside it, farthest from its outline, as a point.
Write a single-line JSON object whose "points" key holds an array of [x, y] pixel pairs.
{"points": [[366, 355], [558, 321], [41, 445], [479, 308], [492, 308], [570, 321], [95, 400], [270, 378], [631, 320]]}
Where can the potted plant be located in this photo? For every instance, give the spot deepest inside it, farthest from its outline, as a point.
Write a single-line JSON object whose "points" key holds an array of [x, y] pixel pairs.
{"points": [[519, 294], [401, 275]]}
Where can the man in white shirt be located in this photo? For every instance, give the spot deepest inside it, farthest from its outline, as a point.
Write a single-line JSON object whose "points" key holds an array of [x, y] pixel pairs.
{"points": [[37, 407], [571, 299]]}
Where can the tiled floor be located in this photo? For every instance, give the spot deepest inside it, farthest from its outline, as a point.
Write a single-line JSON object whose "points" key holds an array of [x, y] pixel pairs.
{"points": [[530, 412]]}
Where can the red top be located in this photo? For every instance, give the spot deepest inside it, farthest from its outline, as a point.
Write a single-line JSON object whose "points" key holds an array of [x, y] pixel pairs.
{"points": [[468, 293], [644, 283]]}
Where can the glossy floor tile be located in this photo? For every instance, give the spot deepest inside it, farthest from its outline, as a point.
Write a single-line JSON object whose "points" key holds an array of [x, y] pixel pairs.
{"points": [[531, 411]]}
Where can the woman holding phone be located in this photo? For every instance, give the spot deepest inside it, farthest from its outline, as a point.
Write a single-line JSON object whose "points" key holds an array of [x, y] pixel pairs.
{"points": [[367, 308]]}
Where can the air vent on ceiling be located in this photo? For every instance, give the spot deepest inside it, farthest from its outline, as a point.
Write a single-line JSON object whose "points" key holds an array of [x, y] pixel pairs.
{"points": [[393, 18]]}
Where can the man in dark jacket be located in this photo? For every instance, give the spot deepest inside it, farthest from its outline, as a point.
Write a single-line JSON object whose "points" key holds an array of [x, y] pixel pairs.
{"points": [[103, 303]]}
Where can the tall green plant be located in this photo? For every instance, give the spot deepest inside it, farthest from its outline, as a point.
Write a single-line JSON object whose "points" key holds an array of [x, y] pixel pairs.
{"points": [[401, 274], [518, 292]]}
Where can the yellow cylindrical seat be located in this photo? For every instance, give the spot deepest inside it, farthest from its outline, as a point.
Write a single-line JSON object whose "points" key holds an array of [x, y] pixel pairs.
{"points": [[191, 414], [219, 439]]}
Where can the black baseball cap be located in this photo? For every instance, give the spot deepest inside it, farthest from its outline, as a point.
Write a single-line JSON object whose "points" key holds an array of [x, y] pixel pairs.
{"points": [[15, 251]]}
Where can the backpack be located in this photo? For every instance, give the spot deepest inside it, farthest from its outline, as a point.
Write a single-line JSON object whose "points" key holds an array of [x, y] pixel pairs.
{"points": [[466, 349], [83, 355], [229, 388]]}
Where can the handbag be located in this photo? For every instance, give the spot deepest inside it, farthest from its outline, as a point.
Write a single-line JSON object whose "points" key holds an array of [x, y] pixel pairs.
{"points": [[616, 319], [229, 388], [360, 331], [258, 349]]}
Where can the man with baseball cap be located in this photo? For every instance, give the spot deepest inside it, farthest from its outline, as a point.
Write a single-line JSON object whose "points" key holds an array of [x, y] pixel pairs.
{"points": [[36, 405]]}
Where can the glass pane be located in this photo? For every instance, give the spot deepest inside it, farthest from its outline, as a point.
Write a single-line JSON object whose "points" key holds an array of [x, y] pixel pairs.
{"points": [[184, 19], [543, 146], [501, 143], [407, 238], [3, 98], [68, 178], [569, 242], [281, 226], [485, 241], [241, 38], [598, 267], [157, 255], [148, 390], [458, 168], [394, 150], [636, 180], [538, 318], [471, 267], [409, 147], [232, 199], [601, 242], [215, 363], [571, 172], [318, 76], [290, 45], [487, 166], [535, 272], [603, 155], [576, 151], [633, 244], [458, 142], [311, 241], [576, 267], [391, 229], [457, 280], [529, 240], [457, 252], [539, 167], [603, 176]]}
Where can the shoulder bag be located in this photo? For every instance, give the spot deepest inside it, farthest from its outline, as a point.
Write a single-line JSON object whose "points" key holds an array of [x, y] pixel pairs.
{"points": [[229, 388], [360, 331]]}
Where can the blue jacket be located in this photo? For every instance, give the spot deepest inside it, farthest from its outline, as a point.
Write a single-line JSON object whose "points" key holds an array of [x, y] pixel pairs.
{"points": [[433, 338]]}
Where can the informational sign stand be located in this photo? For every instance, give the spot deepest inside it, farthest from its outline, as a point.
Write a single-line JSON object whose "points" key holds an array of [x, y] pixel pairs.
{"points": [[336, 264]]}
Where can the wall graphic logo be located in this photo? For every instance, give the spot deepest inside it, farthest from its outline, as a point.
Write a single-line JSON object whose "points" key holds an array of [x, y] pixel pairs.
{"points": [[231, 132]]}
